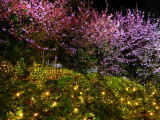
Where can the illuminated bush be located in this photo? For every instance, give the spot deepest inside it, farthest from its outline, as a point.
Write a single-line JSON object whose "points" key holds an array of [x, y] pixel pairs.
{"points": [[70, 95]]}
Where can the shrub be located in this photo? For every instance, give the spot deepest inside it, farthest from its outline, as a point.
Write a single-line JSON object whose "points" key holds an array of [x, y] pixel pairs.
{"points": [[125, 44], [73, 96]]}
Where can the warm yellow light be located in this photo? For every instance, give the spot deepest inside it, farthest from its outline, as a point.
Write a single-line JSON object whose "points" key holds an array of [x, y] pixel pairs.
{"points": [[85, 118], [121, 99], [35, 114], [127, 89], [75, 87], [134, 89], [54, 104], [154, 103], [21, 114], [156, 107], [151, 113], [47, 93], [129, 102], [103, 93], [18, 94], [32, 98], [153, 93], [136, 103], [75, 109]]}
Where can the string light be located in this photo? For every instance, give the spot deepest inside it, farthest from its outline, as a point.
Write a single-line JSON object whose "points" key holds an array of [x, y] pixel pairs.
{"points": [[75, 87], [103, 93], [85, 118], [18, 94], [47, 93], [134, 89], [127, 89], [121, 99], [54, 104], [156, 107], [136, 103], [36, 114], [150, 113], [75, 110], [154, 103], [21, 114], [129, 102]]}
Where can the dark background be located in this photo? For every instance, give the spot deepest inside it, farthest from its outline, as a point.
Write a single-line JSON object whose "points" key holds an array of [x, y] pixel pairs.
{"points": [[152, 6]]}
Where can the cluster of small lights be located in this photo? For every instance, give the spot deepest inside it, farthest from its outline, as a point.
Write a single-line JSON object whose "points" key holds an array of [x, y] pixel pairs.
{"points": [[6, 67], [81, 97]]}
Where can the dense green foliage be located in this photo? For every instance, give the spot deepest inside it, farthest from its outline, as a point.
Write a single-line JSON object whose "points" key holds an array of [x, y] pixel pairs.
{"points": [[51, 93]]}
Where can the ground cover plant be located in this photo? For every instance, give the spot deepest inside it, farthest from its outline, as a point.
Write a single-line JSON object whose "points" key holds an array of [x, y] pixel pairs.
{"points": [[52, 93], [115, 44]]}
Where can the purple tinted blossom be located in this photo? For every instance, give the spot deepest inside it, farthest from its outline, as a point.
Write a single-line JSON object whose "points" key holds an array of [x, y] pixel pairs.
{"points": [[45, 48], [3, 29]]}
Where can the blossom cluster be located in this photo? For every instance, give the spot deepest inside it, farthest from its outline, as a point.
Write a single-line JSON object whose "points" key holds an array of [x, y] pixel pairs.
{"points": [[118, 42]]}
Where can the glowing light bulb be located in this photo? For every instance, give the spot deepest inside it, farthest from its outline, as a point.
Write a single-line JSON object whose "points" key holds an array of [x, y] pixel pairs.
{"points": [[21, 114], [127, 89], [136, 103], [153, 93], [47, 93], [54, 104], [156, 107], [85, 118], [75, 109], [18, 94], [129, 102], [76, 87], [36, 114], [103, 93], [151, 113], [121, 99], [134, 89], [154, 103]]}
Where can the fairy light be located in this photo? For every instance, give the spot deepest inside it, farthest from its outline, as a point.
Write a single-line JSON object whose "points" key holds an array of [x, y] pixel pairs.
{"points": [[75, 110], [75, 87], [18, 94], [153, 93], [129, 102], [36, 114], [21, 114], [103, 93], [156, 107], [127, 89], [136, 103], [54, 104], [150, 113], [47, 93], [134, 89], [85, 118], [154, 103], [121, 99]]}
